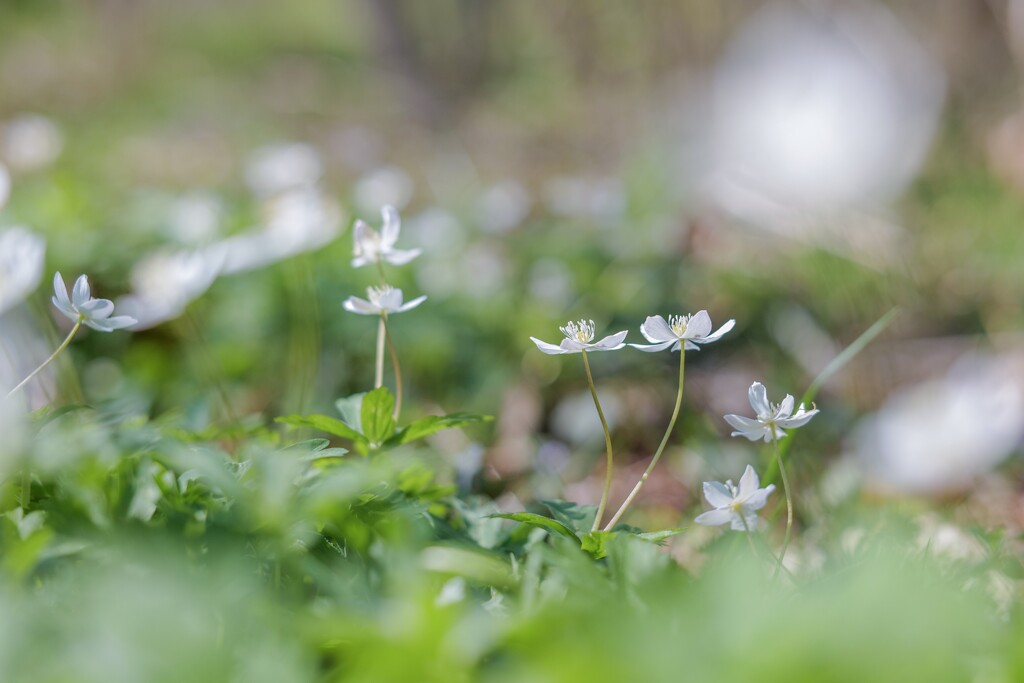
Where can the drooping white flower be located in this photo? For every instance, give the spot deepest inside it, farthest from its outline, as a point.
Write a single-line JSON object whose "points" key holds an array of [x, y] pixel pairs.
{"points": [[21, 265], [83, 308], [734, 505], [370, 247], [579, 336], [381, 300], [680, 331], [771, 419]]}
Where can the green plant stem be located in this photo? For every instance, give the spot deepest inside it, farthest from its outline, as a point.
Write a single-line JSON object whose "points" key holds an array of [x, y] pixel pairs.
{"points": [[789, 501], [661, 447], [607, 444], [398, 372], [64, 345], [378, 377]]}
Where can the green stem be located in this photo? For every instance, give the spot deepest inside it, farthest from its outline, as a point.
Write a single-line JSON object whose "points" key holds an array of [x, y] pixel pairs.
{"points": [[398, 371], [789, 500], [607, 444], [64, 345], [661, 447], [378, 378]]}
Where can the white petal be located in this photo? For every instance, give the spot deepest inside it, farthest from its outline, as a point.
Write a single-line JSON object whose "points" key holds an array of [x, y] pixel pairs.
{"points": [[118, 322], [757, 500], [717, 494], [743, 423], [390, 228], [360, 234], [699, 326], [612, 342], [715, 517], [749, 483], [718, 333], [360, 261], [549, 349], [80, 293], [390, 300], [759, 399], [572, 346], [411, 304], [655, 330], [354, 304], [97, 309], [60, 293], [651, 348], [747, 522], [785, 408], [800, 419], [690, 346], [399, 257]]}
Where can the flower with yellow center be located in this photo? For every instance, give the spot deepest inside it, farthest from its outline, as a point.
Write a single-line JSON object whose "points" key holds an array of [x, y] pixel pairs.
{"points": [[680, 332], [579, 336]]}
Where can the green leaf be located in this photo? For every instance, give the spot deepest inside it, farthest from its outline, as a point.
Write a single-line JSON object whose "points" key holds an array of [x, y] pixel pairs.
{"points": [[578, 517], [434, 423], [377, 415], [540, 521], [596, 543], [350, 408], [324, 424], [660, 536]]}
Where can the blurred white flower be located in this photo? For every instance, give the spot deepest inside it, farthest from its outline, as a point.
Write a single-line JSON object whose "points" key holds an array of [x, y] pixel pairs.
{"points": [[5, 185], [771, 419], [83, 308], [281, 167], [573, 419], [23, 347], [385, 186], [579, 336], [551, 281], [21, 265], [938, 435], [370, 247], [297, 221], [382, 300], [734, 505], [195, 217], [452, 592], [502, 207], [680, 331], [30, 142], [164, 283]]}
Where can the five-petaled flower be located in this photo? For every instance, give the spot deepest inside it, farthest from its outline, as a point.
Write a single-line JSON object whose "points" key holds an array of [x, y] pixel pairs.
{"points": [[382, 301], [579, 336], [771, 419], [370, 247], [737, 505], [82, 308], [680, 331]]}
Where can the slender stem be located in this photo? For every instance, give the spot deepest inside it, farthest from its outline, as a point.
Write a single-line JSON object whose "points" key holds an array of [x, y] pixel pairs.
{"points": [[378, 378], [789, 500], [661, 448], [398, 371], [607, 445], [64, 345], [26, 488], [380, 269]]}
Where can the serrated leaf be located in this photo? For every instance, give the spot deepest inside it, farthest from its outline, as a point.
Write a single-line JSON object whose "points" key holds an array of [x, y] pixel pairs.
{"points": [[432, 424], [577, 517], [324, 424], [377, 415], [541, 522], [596, 543], [350, 409]]}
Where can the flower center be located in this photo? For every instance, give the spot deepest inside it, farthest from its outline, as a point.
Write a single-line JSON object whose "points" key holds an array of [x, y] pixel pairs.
{"points": [[678, 324], [581, 331], [378, 293]]}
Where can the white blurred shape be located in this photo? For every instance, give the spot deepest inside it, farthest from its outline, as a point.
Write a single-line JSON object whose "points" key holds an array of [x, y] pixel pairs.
{"points": [[818, 113], [551, 281], [436, 231], [195, 217], [5, 185], [21, 265], [575, 419], [22, 349], [938, 435], [281, 167], [384, 186], [297, 221], [485, 270], [585, 197], [164, 283], [30, 142], [502, 207]]}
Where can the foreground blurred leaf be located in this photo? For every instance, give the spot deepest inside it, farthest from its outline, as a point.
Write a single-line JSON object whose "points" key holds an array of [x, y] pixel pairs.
{"points": [[377, 416], [432, 424]]}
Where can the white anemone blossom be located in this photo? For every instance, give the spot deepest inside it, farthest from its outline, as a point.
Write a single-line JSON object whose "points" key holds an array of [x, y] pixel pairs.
{"points": [[381, 301], [82, 308], [370, 247], [165, 283], [579, 336], [21, 265], [771, 419], [735, 505], [680, 331]]}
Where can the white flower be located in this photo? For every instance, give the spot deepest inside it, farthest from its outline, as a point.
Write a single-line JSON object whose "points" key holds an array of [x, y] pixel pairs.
{"points": [[165, 283], [21, 265], [82, 308], [382, 300], [281, 167], [680, 331], [737, 505], [771, 419], [579, 336], [369, 246]]}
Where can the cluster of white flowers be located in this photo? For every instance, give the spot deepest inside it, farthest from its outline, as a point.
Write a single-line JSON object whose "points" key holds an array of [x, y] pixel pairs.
{"points": [[372, 248]]}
